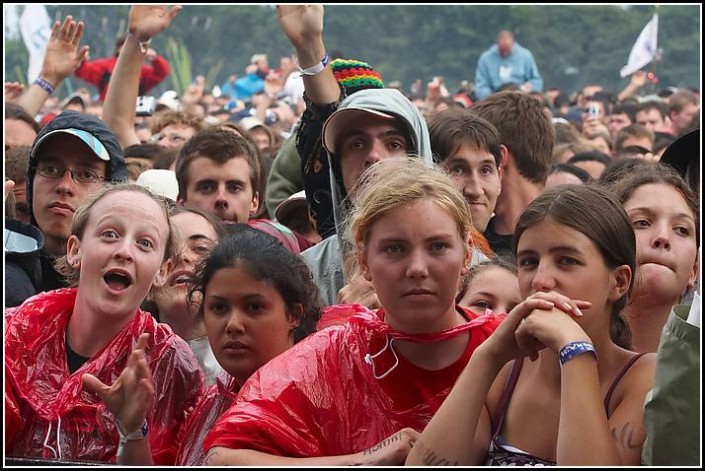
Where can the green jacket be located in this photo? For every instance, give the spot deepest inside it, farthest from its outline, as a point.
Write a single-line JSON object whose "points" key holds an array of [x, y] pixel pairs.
{"points": [[672, 407]]}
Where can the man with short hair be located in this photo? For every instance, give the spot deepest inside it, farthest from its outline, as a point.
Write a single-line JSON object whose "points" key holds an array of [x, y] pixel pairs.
{"points": [[682, 107], [651, 115], [527, 136], [72, 157], [635, 138], [20, 128], [503, 63], [219, 171], [622, 115]]}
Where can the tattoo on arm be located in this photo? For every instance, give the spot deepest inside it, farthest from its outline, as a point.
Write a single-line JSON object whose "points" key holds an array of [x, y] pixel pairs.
{"points": [[384, 443], [624, 437], [430, 458]]}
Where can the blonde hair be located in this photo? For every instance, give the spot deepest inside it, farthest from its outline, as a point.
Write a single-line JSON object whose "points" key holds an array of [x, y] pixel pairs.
{"points": [[81, 217], [397, 183]]}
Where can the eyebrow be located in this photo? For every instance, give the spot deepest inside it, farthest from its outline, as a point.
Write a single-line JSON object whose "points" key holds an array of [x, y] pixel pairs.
{"points": [[457, 159], [434, 238], [650, 211], [388, 133], [559, 248], [109, 218], [195, 237]]}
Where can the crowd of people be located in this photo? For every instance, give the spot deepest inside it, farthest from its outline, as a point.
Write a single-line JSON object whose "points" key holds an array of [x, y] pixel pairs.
{"points": [[308, 266]]}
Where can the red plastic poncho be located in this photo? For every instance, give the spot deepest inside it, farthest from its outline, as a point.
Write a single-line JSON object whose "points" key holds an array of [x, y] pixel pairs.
{"points": [[218, 399], [322, 398], [62, 420]]}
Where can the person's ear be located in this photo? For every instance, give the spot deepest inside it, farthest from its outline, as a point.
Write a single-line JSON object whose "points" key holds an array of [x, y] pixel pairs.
{"points": [[364, 266], [694, 274], [254, 204], [73, 252], [163, 274], [467, 257], [620, 280]]}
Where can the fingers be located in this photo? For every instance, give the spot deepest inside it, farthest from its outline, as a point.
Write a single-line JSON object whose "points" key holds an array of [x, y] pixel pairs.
{"points": [[564, 303], [94, 385], [83, 54], [9, 185], [55, 30], [174, 11], [78, 34]]}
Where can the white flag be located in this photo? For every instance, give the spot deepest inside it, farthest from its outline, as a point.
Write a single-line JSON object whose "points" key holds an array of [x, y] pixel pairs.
{"points": [[35, 27], [644, 48]]}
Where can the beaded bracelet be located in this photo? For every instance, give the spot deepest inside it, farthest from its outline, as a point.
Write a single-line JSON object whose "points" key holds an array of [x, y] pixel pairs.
{"points": [[573, 349], [49, 88]]}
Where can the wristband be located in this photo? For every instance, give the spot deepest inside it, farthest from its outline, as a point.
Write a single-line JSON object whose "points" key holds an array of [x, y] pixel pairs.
{"points": [[138, 434], [144, 46], [49, 88], [316, 69], [573, 349]]}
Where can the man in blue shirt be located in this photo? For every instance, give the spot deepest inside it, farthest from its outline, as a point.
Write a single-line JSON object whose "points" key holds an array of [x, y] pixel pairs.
{"points": [[506, 62]]}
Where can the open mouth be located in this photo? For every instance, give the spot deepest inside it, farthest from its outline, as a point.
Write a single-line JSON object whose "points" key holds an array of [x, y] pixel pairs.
{"points": [[117, 280], [180, 278]]}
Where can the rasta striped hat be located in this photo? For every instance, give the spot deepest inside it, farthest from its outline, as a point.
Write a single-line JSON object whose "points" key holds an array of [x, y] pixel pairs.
{"points": [[355, 75]]}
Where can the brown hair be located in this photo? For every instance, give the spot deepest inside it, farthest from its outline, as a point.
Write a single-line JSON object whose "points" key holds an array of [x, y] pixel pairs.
{"points": [[17, 163], [658, 173], [678, 100], [451, 128], [396, 183], [82, 216], [219, 145], [169, 117], [505, 261], [633, 130], [604, 221], [525, 129]]}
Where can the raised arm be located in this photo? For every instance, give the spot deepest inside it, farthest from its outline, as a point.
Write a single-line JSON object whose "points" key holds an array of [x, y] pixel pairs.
{"points": [[635, 83], [391, 451], [144, 23], [129, 398], [62, 57], [303, 25]]}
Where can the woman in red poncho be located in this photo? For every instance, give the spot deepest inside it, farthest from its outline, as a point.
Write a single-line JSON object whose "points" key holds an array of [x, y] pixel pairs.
{"points": [[120, 244], [361, 392], [256, 299]]}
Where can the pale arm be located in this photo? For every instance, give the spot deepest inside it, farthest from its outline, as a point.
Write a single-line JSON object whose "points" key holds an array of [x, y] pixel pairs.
{"points": [[390, 451], [303, 25], [62, 57], [121, 99]]}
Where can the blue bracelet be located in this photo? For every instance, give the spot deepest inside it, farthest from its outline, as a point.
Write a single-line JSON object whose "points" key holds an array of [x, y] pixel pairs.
{"points": [[573, 349], [49, 88]]}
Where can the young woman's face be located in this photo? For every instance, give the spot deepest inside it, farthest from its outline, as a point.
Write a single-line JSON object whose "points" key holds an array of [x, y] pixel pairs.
{"points": [[246, 321], [121, 251], [555, 257], [414, 258], [195, 237], [493, 288], [665, 240]]}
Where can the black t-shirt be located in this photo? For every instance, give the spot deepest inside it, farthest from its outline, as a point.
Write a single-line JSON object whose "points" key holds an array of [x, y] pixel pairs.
{"points": [[74, 360], [501, 244]]}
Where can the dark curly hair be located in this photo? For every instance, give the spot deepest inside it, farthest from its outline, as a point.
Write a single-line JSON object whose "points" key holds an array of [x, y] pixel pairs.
{"points": [[265, 259]]}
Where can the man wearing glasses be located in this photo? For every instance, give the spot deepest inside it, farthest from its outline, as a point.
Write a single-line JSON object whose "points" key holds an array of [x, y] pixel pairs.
{"points": [[72, 157]]}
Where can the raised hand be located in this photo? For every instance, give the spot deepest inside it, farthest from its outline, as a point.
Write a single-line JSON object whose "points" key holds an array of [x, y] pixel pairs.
{"points": [[130, 397], [302, 24], [13, 90], [63, 54], [146, 21], [359, 291]]}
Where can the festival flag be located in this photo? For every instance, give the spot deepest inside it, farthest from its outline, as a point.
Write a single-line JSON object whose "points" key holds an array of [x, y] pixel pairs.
{"points": [[644, 48]]}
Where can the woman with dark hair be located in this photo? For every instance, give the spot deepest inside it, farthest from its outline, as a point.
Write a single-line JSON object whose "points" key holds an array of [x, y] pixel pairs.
{"points": [[491, 285], [579, 401], [665, 215], [256, 299]]}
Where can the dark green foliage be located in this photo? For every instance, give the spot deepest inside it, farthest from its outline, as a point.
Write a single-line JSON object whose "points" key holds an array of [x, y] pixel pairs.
{"points": [[573, 45]]}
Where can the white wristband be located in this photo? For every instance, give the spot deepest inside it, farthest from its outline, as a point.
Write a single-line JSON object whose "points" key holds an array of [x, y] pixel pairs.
{"points": [[316, 69]]}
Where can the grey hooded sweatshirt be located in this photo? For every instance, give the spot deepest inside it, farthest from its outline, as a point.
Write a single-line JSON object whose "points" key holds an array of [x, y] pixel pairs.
{"points": [[326, 258]]}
